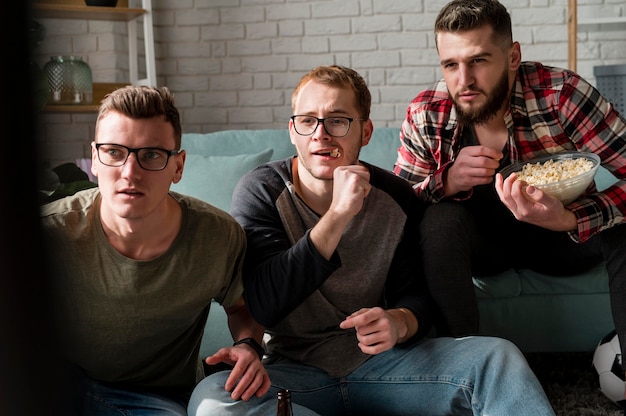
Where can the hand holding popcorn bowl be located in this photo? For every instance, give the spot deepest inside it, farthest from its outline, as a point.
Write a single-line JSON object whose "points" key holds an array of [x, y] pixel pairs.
{"points": [[564, 176]]}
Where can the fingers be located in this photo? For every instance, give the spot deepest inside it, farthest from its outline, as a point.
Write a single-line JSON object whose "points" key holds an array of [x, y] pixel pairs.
{"points": [[357, 177], [248, 377], [378, 340], [480, 157], [359, 318], [351, 322], [374, 329], [248, 380], [474, 165], [484, 151], [350, 187], [530, 204], [221, 356]]}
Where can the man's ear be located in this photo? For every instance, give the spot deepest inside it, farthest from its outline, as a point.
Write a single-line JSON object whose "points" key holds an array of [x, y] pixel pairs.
{"points": [[292, 132], [94, 159], [180, 165], [367, 131], [515, 59]]}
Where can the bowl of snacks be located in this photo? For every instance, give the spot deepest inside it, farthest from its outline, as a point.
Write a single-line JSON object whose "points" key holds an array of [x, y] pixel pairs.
{"points": [[564, 176]]}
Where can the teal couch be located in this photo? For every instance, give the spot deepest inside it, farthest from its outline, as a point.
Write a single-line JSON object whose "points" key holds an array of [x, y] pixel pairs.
{"points": [[539, 313]]}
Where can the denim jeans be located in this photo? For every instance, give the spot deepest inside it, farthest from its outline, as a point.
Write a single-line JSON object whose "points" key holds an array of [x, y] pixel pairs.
{"points": [[92, 398], [440, 376]]}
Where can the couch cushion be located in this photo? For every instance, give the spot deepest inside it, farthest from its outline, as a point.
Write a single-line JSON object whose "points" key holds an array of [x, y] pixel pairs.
{"points": [[504, 285], [523, 282], [382, 149], [235, 142], [604, 178], [213, 178], [595, 280]]}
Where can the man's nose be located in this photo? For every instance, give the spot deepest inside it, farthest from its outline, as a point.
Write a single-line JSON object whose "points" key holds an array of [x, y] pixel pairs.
{"points": [[132, 163], [320, 132], [466, 77]]}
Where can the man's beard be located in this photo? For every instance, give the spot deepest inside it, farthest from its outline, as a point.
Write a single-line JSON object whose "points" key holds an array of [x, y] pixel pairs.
{"points": [[486, 112]]}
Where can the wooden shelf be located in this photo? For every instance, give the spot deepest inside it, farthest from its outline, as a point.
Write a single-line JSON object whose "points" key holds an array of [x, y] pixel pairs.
{"points": [[63, 11], [100, 89], [77, 9]]}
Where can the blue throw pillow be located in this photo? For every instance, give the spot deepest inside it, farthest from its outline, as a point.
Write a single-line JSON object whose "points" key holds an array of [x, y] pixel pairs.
{"points": [[213, 178]]}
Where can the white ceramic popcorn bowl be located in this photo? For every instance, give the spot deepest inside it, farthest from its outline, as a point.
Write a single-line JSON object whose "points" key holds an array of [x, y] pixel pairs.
{"points": [[566, 190]]}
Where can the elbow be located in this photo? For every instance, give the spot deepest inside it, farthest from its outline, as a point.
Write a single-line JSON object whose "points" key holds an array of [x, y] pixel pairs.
{"points": [[258, 309]]}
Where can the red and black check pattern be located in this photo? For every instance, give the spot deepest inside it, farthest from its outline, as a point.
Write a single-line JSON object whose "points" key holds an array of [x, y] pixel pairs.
{"points": [[552, 110]]}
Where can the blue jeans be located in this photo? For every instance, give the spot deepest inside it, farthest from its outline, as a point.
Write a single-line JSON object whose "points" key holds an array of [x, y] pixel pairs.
{"points": [[440, 376], [92, 398]]}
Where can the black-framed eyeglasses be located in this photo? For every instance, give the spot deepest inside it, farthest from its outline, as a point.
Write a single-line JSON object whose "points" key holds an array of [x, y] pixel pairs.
{"points": [[148, 158], [334, 126]]}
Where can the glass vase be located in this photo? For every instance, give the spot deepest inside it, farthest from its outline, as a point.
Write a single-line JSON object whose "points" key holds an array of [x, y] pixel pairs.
{"points": [[69, 79]]}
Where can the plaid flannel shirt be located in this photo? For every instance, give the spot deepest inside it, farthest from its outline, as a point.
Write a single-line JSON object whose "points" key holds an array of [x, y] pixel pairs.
{"points": [[552, 110]]}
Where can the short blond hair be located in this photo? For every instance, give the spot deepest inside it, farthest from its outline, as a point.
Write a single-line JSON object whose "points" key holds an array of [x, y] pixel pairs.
{"points": [[339, 77]]}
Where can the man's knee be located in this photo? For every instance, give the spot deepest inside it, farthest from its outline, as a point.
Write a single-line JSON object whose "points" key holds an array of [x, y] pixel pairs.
{"points": [[444, 215], [209, 395], [445, 223]]}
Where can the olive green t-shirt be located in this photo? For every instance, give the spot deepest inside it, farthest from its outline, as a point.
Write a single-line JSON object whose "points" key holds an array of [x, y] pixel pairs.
{"points": [[139, 323]]}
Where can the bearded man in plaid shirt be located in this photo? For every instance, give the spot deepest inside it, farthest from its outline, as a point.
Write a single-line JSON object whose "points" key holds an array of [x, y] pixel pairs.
{"points": [[492, 109]]}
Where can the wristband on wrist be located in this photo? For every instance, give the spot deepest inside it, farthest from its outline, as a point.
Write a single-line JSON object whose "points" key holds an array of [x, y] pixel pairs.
{"points": [[254, 344]]}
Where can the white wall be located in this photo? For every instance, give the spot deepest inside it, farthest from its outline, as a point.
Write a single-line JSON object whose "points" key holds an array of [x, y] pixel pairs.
{"points": [[232, 64]]}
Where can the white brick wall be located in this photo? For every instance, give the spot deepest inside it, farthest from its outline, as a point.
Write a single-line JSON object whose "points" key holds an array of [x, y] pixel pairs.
{"points": [[233, 63]]}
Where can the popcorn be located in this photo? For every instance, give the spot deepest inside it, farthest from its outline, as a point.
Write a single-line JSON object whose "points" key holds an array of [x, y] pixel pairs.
{"points": [[553, 171]]}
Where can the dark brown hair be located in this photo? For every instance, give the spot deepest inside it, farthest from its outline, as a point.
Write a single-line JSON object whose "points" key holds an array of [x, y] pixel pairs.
{"points": [[143, 102], [464, 15], [339, 77]]}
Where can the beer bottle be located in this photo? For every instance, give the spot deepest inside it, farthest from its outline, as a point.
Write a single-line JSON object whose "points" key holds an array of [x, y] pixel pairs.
{"points": [[283, 407]]}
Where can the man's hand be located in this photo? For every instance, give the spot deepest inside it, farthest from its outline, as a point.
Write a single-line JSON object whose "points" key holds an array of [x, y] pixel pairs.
{"points": [[475, 165], [351, 185], [248, 377], [378, 330], [532, 205]]}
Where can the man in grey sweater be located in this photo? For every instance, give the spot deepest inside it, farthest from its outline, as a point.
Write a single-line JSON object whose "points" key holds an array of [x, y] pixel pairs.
{"points": [[332, 273]]}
